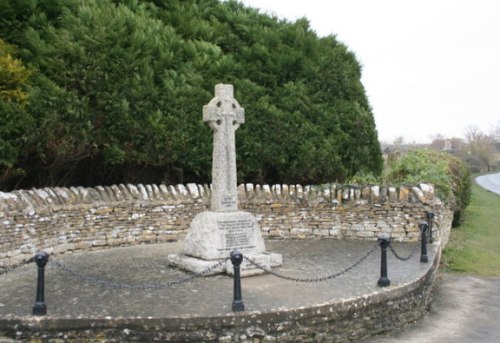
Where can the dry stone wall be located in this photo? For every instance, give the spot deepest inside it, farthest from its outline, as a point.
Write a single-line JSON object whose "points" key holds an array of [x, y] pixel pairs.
{"points": [[58, 220]]}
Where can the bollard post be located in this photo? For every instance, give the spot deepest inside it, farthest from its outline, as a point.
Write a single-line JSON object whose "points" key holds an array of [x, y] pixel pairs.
{"points": [[430, 219], [236, 259], [40, 308], [423, 229], [384, 242]]}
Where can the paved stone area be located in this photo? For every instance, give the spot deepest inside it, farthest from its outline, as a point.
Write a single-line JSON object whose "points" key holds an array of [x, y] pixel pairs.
{"points": [[67, 296]]}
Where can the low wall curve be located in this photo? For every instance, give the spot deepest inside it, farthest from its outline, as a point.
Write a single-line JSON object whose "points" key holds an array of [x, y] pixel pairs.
{"points": [[59, 220]]}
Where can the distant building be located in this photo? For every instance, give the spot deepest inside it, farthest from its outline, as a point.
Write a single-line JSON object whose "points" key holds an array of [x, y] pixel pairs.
{"points": [[449, 145]]}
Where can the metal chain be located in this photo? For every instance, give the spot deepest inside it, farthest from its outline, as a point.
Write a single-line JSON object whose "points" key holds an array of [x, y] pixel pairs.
{"points": [[399, 257], [313, 280], [7, 270], [136, 287], [428, 234], [412, 253]]}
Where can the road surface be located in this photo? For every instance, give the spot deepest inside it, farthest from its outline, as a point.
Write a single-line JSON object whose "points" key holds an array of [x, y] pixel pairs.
{"points": [[490, 182]]}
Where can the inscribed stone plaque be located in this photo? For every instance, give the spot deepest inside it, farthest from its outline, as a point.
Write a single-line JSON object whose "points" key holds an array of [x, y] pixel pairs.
{"points": [[213, 235], [236, 233]]}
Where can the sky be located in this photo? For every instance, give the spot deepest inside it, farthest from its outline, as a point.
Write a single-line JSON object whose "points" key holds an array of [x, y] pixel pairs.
{"points": [[430, 67]]}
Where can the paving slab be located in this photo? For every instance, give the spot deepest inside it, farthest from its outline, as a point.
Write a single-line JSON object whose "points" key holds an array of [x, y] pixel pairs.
{"points": [[70, 297]]}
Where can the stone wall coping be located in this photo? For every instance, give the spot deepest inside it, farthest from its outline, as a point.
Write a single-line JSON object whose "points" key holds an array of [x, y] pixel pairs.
{"points": [[31, 200]]}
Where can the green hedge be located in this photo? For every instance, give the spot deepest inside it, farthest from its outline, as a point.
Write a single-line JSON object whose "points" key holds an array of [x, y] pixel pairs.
{"points": [[118, 88], [450, 176]]}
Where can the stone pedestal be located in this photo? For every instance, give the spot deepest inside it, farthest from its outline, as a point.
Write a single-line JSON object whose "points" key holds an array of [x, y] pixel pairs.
{"points": [[213, 235]]}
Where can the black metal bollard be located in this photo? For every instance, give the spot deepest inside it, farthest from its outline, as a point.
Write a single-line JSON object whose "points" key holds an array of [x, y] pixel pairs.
{"points": [[384, 242], [430, 220], [40, 308], [423, 229], [236, 259]]}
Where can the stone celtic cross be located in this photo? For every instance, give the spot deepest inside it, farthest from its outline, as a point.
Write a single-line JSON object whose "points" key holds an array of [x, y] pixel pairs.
{"points": [[224, 115]]}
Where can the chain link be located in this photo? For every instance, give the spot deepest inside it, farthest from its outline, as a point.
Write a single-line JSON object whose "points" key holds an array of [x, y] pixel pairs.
{"points": [[406, 258], [428, 234], [313, 280], [412, 253], [135, 287], [7, 270]]}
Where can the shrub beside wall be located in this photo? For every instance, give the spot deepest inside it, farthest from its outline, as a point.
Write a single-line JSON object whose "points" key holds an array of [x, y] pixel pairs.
{"points": [[58, 220], [450, 175]]}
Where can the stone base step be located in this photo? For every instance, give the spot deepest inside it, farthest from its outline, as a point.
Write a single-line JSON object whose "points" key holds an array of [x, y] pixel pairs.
{"points": [[197, 265]]}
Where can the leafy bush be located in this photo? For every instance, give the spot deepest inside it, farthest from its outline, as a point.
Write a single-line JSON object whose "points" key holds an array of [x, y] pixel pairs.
{"points": [[363, 178], [15, 122], [450, 175], [417, 166], [14, 76]]}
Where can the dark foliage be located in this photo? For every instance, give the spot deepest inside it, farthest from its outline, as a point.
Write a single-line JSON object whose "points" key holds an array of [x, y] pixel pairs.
{"points": [[118, 87]]}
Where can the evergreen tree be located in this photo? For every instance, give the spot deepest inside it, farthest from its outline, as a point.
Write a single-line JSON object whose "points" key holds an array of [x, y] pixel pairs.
{"points": [[119, 86]]}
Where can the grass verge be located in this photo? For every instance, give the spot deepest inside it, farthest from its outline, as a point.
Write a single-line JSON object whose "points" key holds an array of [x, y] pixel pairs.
{"points": [[474, 246]]}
